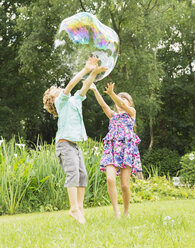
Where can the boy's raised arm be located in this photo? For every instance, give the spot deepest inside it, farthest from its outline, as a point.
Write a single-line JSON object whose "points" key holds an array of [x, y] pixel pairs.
{"points": [[90, 64]]}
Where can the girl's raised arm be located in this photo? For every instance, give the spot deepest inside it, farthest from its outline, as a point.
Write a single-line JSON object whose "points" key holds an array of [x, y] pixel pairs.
{"points": [[107, 110], [118, 101]]}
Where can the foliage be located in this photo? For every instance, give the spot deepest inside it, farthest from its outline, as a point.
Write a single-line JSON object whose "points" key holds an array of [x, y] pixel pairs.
{"points": [[164, 160], [176, 119], [32, 180], [187, 171], [155, 66], [157, 188]]}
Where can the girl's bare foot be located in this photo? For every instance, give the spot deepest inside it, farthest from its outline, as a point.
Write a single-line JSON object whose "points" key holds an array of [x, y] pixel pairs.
{"points": [[126, 214], [76, 214]]}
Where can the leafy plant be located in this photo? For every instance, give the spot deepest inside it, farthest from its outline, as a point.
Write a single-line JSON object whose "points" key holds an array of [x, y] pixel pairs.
{"points": [[165, 161], [187, 171]]}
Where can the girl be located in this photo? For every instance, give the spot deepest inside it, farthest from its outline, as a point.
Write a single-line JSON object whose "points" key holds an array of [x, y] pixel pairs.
{"points": [[121, 155]]}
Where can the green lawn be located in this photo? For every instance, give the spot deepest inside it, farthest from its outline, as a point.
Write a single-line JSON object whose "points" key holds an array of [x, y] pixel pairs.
{"points": [[150, 224]]}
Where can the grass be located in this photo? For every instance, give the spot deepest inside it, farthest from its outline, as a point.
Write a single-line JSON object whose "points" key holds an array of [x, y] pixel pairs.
{"points": [[150, 224]]}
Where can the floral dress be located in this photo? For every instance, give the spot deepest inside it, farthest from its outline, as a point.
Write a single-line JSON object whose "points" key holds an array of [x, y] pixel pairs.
{"points": [[121, 144]]}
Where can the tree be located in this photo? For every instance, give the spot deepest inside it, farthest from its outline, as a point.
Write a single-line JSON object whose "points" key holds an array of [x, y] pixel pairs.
{"points": [[159, 78], [12, 93], [176, 120]]}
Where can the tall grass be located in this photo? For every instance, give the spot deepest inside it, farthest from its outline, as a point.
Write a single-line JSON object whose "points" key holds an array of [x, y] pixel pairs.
{"points": [[32, 180], [15, 168], [96, 193]]}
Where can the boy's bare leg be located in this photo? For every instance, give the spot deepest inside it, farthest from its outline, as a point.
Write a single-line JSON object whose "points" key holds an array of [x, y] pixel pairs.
{"points": [[74, 208], [80, 198], [87, 83]]}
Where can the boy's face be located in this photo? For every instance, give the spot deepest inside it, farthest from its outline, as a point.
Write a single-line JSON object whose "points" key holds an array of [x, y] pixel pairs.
{"points": [[55, 92]]}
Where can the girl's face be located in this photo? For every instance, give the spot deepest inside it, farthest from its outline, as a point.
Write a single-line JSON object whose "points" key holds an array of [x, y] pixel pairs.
{"points": [[125, 101]]}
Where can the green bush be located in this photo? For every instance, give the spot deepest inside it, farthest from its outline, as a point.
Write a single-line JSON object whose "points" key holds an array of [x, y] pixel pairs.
{"points": [[32, 180], [163, 161], [154, 189], [187, 172]]}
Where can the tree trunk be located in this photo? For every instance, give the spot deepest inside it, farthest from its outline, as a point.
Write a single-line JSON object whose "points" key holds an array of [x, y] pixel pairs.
{"points": [[151, 134]]}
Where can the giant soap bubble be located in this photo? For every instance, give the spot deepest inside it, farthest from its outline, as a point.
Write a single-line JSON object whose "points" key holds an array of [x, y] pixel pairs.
{"points": [[83, 35]]}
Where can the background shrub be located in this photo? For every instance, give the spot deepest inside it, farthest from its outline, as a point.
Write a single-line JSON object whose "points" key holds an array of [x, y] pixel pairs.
{"points": [[31, 180], [187, 172], [164, 161]]}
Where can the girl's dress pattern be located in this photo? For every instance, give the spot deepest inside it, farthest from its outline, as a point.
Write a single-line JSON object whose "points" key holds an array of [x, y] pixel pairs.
{"points": [[121, 144]]}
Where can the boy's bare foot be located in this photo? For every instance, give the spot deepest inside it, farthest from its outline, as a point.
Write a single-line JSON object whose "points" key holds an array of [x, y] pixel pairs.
{"points": [[82, 211], [76, 214], [117, 214]]}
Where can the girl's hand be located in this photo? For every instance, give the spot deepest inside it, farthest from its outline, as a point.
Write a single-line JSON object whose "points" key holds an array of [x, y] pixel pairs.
{"points": [[109, 89], [93, 87]]}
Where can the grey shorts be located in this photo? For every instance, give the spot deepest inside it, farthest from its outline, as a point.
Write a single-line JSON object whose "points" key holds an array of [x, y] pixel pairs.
{"points": [[71, 160]]}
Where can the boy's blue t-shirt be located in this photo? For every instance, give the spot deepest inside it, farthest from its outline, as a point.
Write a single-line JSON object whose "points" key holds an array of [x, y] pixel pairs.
{"points": [[70, 119]]}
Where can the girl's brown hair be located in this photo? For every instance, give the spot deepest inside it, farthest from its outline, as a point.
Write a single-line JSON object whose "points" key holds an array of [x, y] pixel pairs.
{"points": [[130, 100], [48, 101]]}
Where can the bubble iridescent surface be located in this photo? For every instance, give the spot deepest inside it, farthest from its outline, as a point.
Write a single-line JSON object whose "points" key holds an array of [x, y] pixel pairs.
{"points": [[83, 35]]}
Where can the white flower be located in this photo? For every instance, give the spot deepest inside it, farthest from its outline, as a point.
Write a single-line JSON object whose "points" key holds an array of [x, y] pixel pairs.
{"points": [[15, 155], [21, 145], [167, 218], [96, 150], [191, 156], [177, 181], [1, 141]]}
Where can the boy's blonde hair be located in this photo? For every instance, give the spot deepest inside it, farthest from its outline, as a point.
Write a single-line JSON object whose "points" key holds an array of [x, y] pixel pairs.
{"points": [[48, 101], [126, 96]]}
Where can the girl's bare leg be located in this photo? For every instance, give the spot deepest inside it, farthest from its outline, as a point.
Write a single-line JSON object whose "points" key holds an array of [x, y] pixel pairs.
{"points": [[111, 187], [125, 178]]}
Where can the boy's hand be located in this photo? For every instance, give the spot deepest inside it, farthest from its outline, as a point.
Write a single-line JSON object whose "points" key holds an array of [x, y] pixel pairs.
{"points": [[91, 63], [93, 87], [109, 89], [99, 69]]}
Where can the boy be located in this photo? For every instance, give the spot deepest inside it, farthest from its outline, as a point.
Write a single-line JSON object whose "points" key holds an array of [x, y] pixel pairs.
{"points": [[70, 130]]}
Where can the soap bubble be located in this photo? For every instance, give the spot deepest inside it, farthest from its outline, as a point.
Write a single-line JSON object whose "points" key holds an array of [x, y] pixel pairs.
{"points": [[82, 36]]}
